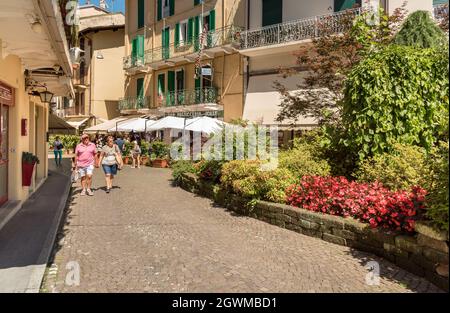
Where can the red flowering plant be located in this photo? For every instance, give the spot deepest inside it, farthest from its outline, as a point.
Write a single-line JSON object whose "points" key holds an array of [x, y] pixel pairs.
{"points": [[368, 202]]}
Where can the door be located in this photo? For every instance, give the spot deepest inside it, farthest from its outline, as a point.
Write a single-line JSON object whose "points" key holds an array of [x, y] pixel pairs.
{"points": [[140, 93], [179, 77], [3, 153]]}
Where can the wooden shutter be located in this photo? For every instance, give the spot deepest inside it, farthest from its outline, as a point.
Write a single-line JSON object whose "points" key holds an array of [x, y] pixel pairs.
{"points": [[134, 48], [177, 34], [272, 12], [140, 47], [340, 5], [141, 13], [196, 33], [161, 84], [190, 30], [170, 81], [159, 9], [171, 7], [212, 20]]}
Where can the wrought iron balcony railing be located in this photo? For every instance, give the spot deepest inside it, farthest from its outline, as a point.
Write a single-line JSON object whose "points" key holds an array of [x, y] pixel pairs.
{"points": [[130, 62], [219, 37], [302, 29], [188, 97], [134, 103]]}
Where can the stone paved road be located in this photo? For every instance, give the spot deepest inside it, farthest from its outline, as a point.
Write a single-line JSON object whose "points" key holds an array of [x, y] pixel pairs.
{"points": [[147, 236]]}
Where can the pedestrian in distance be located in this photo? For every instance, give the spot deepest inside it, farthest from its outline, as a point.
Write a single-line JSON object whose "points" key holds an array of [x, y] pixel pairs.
{"points": [[111, 160], [120, 143], [58, 150], [136, 155], [84, 160]]}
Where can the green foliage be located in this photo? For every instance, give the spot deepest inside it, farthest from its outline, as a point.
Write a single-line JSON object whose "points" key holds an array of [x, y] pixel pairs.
{"points": [[237, 170], [160, 150], [145, 145], [401, 169], [398, 94], [419, 30], [127, 147], [437, 183], [210, 170], [29, 158], [181, 167], [303, 160]]}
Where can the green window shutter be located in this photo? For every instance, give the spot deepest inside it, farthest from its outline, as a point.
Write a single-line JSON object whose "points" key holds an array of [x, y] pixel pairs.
{"points": [[212, 20], [197, 83], [272, 12], [196, 36], [340, 5], [196, 2], [166, 42], [172, 7], [177, 35], [171, 87], [140, 47], [141, 13], [140, 88], [134, 48], [170, 81], [161, 84], [190, 30], [159, 9]]}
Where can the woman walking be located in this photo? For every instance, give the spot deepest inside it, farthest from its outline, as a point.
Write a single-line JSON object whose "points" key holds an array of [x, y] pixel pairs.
{"points": [[136, 155], [57, 150], [110, 160]]}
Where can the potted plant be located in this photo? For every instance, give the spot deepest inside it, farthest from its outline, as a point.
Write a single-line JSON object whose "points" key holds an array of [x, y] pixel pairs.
{"points": [[159, 154], [145, 146], [128, 146], [29, 160]]}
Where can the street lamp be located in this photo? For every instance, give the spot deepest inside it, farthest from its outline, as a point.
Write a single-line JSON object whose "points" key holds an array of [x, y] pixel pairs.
{"points": [[46, 96]]}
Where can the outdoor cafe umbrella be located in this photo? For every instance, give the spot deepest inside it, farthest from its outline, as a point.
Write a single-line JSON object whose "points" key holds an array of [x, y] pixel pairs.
{"points": [[168, 122], [204, 124], [137, 125]]}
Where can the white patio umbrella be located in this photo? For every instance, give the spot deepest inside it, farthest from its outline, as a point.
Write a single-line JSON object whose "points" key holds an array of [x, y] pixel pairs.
{"points": [[204, 124], [104, 127], [137, 125], [167, 122]]}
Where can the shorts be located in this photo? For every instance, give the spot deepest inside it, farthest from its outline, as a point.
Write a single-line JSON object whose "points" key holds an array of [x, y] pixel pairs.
{"points": [[83, 171], [110, 169]]}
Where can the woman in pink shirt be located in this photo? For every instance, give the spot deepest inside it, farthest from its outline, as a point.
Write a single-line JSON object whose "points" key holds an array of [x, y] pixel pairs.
{"points": [[84, 160]]}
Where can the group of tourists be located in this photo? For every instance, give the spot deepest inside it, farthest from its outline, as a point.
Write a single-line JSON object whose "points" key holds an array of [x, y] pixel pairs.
{"points": [[104, 151]]}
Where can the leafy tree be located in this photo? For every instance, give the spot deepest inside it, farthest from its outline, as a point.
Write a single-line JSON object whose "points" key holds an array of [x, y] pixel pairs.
{"points": [[330, 58], [398, 95], [419, 30]]}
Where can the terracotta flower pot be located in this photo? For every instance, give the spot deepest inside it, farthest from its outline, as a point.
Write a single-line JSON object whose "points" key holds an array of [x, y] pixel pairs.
{"points": [[126, 160], [27, 173], [159, 163], [144, 160]]}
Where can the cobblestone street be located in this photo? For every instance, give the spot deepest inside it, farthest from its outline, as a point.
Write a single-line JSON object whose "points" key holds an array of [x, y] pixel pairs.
{"points": [[148, 236]]}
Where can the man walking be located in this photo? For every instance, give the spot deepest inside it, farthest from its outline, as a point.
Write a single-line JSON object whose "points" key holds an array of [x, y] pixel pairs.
{"points": [[120, 143], [84, 160]]}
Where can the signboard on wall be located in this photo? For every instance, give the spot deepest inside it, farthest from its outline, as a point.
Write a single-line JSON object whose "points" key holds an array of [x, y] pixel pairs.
{"points": [[206, 71]]}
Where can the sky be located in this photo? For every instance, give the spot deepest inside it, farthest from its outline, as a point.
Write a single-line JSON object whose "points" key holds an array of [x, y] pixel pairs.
{"points": [[119, 5]]}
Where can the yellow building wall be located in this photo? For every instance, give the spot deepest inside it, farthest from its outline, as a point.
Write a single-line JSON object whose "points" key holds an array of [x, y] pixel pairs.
{"points": [[107, 85], [25, 107]]}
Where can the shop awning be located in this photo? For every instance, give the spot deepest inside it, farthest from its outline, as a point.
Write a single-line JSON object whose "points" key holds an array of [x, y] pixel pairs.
{"points": [[138, 125], [262, 102], [104, 127], [57, 125], [205, 125]]}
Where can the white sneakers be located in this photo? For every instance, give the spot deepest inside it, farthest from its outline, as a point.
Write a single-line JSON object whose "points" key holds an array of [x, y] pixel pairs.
{"points": [[87, 192]]}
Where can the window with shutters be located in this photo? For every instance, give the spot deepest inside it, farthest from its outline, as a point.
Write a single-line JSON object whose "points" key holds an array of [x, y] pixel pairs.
{"points": [[272, 12], [141, 13], [183, 33]]}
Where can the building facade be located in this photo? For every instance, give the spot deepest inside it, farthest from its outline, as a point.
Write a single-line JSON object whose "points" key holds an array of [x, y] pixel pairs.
{"points": [[34, 58], [181, 58], [99, 77], [275, 30]]}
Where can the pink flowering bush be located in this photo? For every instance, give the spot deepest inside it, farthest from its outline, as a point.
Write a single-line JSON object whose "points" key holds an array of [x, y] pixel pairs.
{"points": [[368, 202]]}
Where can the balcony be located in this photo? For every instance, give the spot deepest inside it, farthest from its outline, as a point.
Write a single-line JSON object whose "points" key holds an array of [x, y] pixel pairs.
{"points": [[134, 103], [292, 32], [223, 39], [189, 97]]}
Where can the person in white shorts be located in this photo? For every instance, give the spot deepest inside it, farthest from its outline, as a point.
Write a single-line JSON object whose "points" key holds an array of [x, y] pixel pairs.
{"points": [[84, 160]]}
